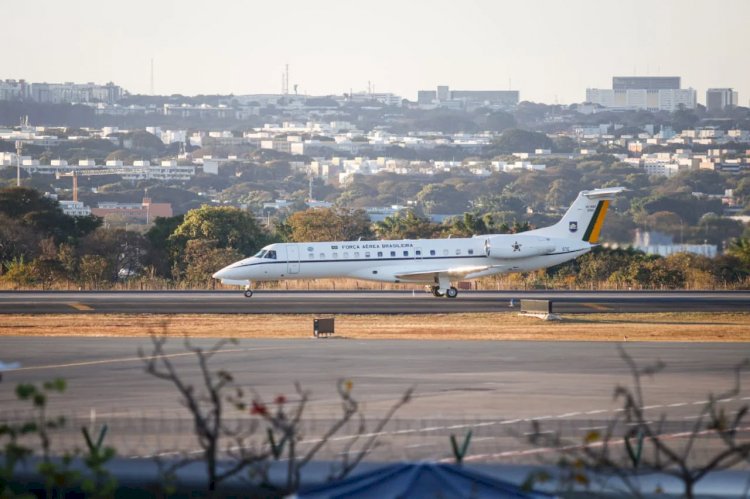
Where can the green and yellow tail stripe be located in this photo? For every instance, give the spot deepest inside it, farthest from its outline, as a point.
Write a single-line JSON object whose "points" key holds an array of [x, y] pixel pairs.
{"points": [[595, 226]]}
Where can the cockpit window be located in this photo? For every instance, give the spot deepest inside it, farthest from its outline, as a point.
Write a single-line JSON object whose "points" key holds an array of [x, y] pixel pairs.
{"points": [[265, 253]]}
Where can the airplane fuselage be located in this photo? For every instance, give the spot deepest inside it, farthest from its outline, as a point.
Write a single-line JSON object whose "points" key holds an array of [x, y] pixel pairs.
{"points": [[436, 262], [405, 260]]}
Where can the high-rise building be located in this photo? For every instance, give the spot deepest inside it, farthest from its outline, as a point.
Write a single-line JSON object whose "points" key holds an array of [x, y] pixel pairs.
{"points": [[645, 82], [654, 93], [720, 98]]}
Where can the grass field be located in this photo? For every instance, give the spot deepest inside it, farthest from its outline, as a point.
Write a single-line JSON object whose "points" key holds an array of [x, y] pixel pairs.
{"points": [[698, 327]]}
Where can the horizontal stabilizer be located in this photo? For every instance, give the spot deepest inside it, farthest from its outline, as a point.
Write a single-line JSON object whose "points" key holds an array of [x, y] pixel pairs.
{"points": [[609, 193]]}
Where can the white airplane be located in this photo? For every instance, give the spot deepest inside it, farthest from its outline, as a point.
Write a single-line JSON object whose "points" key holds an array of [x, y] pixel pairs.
{"points": [[434, 262]]}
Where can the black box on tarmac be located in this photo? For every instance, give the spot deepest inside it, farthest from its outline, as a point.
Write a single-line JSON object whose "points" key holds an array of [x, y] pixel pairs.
{"points": [[536, 306], [323, 326]]}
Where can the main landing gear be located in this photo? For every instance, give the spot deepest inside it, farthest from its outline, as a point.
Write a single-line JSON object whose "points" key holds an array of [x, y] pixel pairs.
{"points": [[442, 287], [451, 292], [248, 292]]}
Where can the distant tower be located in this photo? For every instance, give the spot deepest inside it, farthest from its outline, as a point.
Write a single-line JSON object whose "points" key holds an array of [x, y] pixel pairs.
{"points": [[19, 149], [285, 80]]}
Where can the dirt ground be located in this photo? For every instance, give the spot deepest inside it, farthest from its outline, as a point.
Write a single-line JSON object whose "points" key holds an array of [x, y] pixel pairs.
{"points": [[699, 327]]}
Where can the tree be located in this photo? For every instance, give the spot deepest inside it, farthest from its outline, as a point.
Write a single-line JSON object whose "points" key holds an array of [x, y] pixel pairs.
{"points": [[19, 272], [121, 249], [18, 201], [405, 226], [517, 140], [442, 198], [328, 224], [16, 239], [228, 227], [163, 253], [740, 248], [203, 258], [467, 225], [94, 270], [43, 215]]}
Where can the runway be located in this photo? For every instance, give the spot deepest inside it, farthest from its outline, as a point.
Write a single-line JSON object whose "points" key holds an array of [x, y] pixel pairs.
{"points": [[493, 388], [362, 302]]}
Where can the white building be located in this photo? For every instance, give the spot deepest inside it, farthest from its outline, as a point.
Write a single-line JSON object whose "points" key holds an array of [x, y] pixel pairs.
{"points": [[75, 208], [665, 99]]}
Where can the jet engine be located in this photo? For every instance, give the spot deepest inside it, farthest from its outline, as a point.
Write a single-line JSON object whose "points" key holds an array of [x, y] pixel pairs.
{"points": [[518, 246]]}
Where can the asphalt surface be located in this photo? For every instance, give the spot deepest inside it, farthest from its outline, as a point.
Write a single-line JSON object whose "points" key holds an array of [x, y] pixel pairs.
{"points": [[362, 302], [493, 387]]}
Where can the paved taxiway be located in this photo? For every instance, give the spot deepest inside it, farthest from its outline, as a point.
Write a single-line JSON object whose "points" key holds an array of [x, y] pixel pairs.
{"points": [[492, 388], [362, 302]]}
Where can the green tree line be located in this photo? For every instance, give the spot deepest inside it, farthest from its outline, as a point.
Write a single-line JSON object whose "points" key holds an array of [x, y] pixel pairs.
{"points": [[42, 247]]}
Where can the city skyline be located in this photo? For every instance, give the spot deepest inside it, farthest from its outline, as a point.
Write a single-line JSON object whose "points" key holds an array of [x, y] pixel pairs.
{"points": [[333, 47]]}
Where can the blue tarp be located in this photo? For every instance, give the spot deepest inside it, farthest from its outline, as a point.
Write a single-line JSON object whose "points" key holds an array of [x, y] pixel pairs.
{"points": [[418, 480]]}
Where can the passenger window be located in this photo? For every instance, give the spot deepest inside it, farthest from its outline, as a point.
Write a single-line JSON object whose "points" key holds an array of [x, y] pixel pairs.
{"points": [[418, 252], [393, 253], [446, 252], [406, 253], [335, 255], [322, 256], [356, 254], [432, 252], [367, 254], [311, 256], [471, 252], [380, 254], [346, 255], [458, 252]]}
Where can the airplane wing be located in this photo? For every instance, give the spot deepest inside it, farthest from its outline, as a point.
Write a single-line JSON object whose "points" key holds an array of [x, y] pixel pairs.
{"points": [[453, 272]]}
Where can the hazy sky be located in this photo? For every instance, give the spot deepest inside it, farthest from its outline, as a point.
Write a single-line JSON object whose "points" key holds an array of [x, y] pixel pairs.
{"points": [[550, 50]]}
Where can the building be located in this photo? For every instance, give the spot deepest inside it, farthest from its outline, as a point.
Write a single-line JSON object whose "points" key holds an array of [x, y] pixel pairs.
{"points": [[75, 93], [14, 90], [645, 82], [75, 208], [653, 93], [144, 212], [720, 98], [467, 98]]}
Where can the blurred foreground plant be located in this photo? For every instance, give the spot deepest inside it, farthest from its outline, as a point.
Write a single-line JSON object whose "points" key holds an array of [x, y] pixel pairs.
{"points": [[632, 444]]}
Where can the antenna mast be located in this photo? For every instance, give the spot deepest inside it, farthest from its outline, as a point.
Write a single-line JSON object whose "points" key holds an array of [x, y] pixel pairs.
{"points": [[19, 148]]}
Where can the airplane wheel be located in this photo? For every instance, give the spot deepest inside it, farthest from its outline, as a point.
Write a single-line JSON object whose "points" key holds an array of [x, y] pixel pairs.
{"points": [[451, 292], [436, 293], [248, 293]]}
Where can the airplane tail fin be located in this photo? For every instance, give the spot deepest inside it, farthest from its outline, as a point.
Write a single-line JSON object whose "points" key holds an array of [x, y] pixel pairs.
{"points": [[584, 218]]}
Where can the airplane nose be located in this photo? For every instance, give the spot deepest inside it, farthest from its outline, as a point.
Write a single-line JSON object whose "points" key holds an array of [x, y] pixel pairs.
{"points": [[221, 274]]}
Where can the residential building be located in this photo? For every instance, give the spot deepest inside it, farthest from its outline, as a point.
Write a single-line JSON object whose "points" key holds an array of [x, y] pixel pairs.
{"points": [[75, 93], [14, 90]]}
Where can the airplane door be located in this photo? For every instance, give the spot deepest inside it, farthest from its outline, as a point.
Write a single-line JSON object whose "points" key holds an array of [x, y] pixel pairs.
{"points": [[292, 256]]}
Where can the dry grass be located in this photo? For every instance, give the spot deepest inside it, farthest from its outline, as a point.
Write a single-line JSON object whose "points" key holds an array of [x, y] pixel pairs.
{"points": [[698, 327]]}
